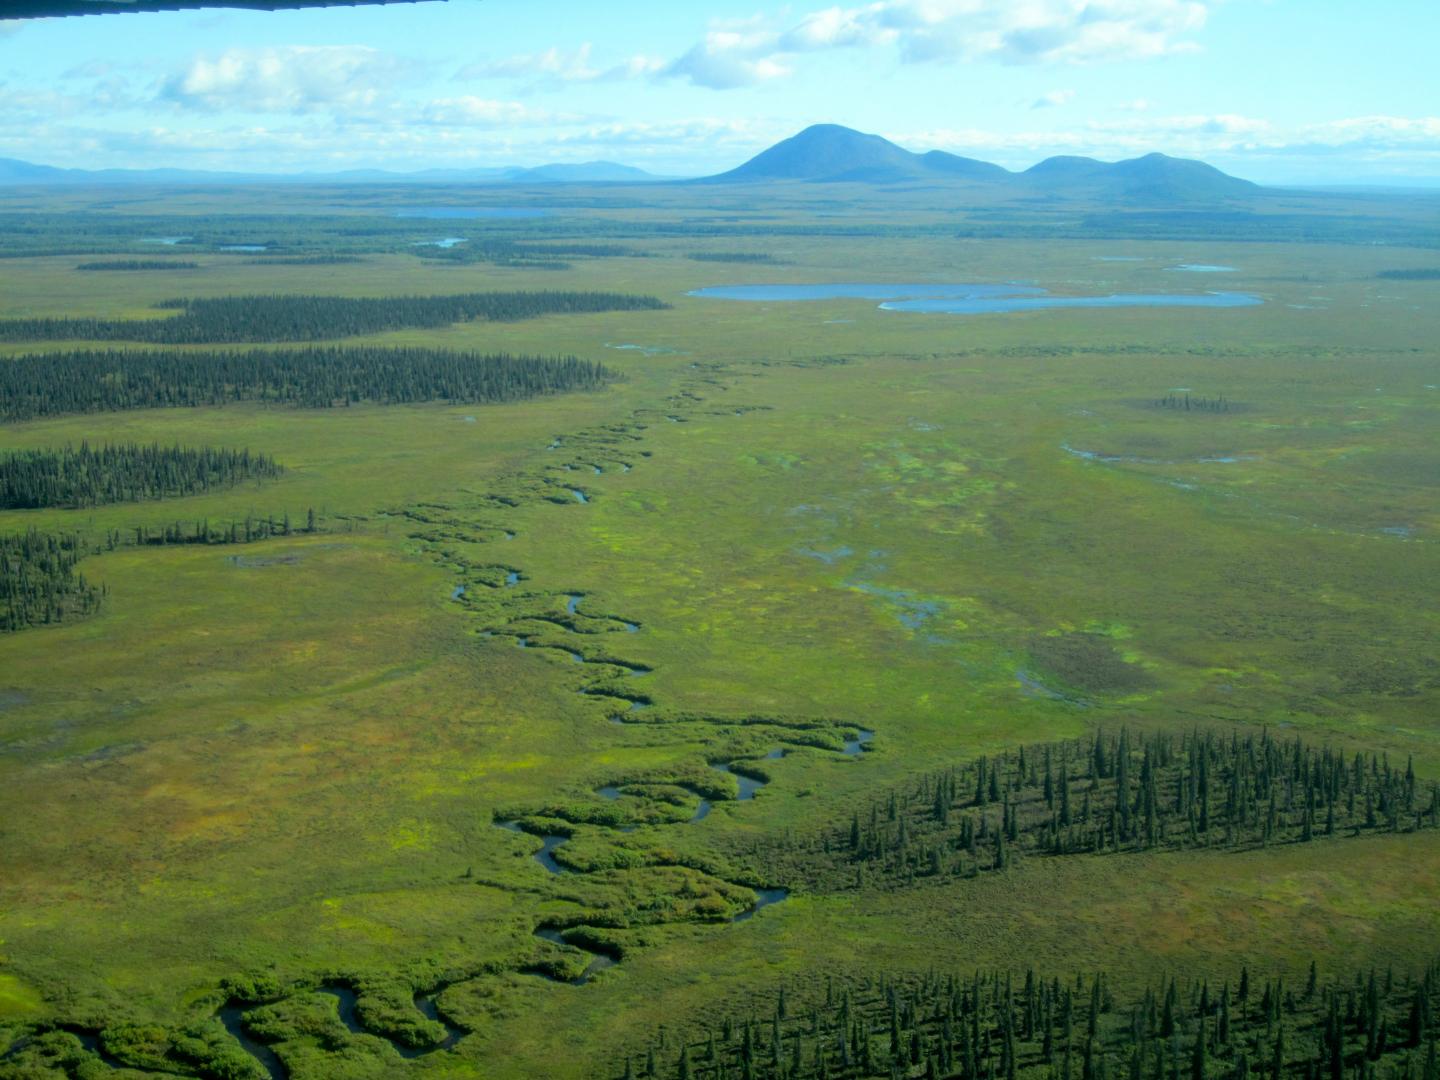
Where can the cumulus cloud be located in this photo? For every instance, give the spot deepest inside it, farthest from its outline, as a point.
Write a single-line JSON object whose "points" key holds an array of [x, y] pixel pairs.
{"points": [[725, 59], [706, 134], [561, 66], [1054, 99], [286, 79], [951, 31], [469, 111], [749, 52]]}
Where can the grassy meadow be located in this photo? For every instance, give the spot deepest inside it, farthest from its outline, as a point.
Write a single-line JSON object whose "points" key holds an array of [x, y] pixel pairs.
{"points": [[264, 771]]}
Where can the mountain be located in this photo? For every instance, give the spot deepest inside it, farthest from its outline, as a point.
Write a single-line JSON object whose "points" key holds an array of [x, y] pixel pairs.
{"points": [[14, 173], [589, 172], [822, 153], [965, 168], [831, 153], [1152, 177]]}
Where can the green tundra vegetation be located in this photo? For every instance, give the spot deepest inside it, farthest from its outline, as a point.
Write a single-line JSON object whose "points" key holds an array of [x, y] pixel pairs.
{"points": [[587, 679]]}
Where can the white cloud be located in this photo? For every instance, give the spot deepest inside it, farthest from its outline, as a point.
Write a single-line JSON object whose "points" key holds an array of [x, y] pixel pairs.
{"points": [[836, 28], [1054, 99], [726, 59], [954, 31], [559, 66], [469, 111], [749, 52], [1040, 31], [701, 134], [286, 79]]}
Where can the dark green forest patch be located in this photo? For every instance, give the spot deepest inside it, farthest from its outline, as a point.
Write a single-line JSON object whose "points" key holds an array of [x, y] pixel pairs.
{"points": [[243, 319], [127, 472], [102, 381]]}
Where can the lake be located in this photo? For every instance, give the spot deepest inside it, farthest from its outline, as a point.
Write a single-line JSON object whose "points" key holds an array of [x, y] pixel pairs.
{"points": [[862, 291], [968, 299]]}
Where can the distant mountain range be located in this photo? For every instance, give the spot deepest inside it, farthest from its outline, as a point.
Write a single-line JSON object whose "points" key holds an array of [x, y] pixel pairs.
{"points": [[14, 172], [823, 153], [829, 153]]}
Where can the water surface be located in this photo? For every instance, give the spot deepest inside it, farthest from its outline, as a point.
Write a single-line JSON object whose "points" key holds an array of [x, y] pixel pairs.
{"points": [[1037, 303], [763, 899], [862, 291], [969, 299]]}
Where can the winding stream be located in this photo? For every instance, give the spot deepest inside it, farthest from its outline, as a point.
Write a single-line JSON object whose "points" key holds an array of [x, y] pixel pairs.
{"points": [[345, 1001], [232, 1016], [548, 843]]}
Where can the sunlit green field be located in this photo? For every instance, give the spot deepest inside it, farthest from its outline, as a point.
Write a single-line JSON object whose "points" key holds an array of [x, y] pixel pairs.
{"points": [[286, 760]]}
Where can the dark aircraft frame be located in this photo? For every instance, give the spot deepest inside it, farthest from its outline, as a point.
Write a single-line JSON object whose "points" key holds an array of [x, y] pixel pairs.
{"points": [[40, 9]]}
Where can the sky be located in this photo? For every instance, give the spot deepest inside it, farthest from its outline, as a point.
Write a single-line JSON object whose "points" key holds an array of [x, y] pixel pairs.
{"points": [[1278, 91]]}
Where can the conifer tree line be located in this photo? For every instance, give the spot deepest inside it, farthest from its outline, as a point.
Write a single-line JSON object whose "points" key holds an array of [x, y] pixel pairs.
{"points": [[128, 472], [39, 583], [319, 258], [254, 319], [1112, 793], [1421, 274], [87, 381], [38, 580], [732, 256], [994, 1026], [1187, 403], [517, 253], [139, 264], [246, 530]]}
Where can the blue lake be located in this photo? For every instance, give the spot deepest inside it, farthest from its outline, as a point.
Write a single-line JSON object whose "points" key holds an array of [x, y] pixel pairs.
{"points": [[470, 212], [861, 291], [969, 299], [1035, 303]]}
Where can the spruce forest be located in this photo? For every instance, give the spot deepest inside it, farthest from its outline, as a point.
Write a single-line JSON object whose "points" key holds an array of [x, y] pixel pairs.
{"points": [[87, 476], [88, 381], [994, 1025], [242, 319]]}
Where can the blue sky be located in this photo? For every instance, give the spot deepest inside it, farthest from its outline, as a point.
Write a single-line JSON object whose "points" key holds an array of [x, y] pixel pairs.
{"points": [[1292, 91]]}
